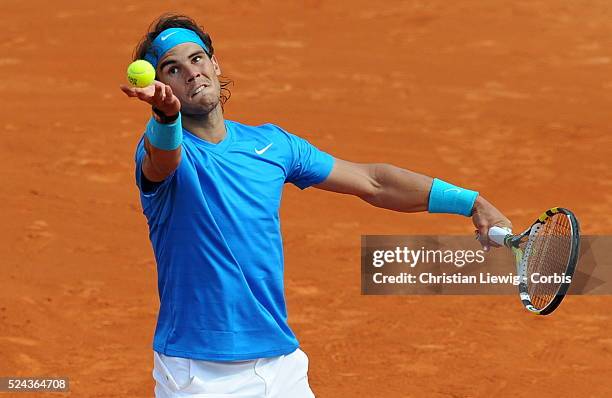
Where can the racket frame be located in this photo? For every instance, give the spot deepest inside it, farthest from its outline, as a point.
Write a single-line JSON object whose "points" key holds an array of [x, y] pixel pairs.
{"points": [[521, 256]]}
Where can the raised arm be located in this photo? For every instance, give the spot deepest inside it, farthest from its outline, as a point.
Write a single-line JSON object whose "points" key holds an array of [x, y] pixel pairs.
{"points": [[386, 186], [162, 140]]}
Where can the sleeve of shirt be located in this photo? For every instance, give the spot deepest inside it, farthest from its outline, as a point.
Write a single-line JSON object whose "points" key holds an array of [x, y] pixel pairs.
{"points": [[308, 165]]}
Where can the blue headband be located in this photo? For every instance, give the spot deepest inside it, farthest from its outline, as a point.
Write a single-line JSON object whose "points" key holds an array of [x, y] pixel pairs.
{"points": [[170, 38]]}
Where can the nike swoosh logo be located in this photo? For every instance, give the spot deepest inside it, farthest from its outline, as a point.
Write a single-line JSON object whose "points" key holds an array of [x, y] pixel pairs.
{"points": [[261, 151], [452, 190], [163, 38]]}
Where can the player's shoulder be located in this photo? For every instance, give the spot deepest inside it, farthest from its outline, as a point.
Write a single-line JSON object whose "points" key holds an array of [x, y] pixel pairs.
{"points": [[267, 130]]}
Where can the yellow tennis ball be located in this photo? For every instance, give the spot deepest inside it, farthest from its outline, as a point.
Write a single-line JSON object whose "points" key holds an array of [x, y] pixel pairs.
{"points": [[140, 73]]}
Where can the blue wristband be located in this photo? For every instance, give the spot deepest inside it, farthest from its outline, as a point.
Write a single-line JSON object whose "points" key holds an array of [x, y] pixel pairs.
{"points": [[165, 136], [448, 198]]}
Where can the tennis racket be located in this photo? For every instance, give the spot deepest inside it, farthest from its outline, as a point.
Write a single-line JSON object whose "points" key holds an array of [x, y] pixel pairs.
{"points": [[546, 254]]}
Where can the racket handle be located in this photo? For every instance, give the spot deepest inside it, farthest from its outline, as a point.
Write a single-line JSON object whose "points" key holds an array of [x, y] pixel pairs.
{"points": [[498, 234]]}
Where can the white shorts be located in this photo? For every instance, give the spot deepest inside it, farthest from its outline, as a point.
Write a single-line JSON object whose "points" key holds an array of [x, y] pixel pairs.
{"points": [[284, 376]]}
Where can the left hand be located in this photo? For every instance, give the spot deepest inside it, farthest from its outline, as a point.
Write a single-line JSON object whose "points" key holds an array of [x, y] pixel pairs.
{"points": [[485, 216], [157, 94]]}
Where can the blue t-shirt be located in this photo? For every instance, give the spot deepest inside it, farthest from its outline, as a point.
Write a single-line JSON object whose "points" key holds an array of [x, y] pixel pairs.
{"points": [[214, 226]]}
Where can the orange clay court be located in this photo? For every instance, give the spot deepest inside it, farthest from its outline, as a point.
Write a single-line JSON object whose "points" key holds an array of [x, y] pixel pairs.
{"points": [[510, 98]]}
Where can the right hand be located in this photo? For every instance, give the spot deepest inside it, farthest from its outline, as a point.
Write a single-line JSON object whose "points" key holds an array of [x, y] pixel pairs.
{"points": [[157, 94], [485, 216]]}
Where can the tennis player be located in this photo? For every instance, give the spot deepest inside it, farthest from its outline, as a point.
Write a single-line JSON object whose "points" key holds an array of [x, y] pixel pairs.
{"points": [[210, 189]]}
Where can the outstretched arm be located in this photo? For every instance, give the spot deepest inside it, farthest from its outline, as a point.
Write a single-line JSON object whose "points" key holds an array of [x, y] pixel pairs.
{"points": [[390, 187], [381, 185], [159, 162]]}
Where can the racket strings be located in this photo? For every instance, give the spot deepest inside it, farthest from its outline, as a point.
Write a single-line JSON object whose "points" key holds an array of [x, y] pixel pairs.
{"points": [[549, 256]]}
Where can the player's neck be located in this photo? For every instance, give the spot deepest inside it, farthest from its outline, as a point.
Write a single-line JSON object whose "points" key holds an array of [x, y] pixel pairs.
{"points": [[209, 127]]}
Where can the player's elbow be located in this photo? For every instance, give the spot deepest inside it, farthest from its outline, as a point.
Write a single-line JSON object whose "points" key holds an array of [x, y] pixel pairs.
{"points": [[372, 189]]}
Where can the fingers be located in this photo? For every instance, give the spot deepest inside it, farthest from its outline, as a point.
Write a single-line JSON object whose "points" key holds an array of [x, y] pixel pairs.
{"points": [[483, 237], [142, 93], [147, 94], [129, 91], [171, 104], [485, 216], [157, 94], [143, 96], [168, 94], [163, 96], [505, 223], [170, 99], [482, 231]]}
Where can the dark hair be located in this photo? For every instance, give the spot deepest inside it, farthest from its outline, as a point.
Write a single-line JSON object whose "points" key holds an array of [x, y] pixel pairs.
{"points": [[167, 21]]}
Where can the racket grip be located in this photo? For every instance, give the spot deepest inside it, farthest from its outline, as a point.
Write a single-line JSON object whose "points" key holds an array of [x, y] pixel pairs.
{"points": [[498, 234]]}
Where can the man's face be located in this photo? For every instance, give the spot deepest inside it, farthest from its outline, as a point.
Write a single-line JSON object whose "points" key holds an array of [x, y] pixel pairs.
{"points": [[193, 78]]}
